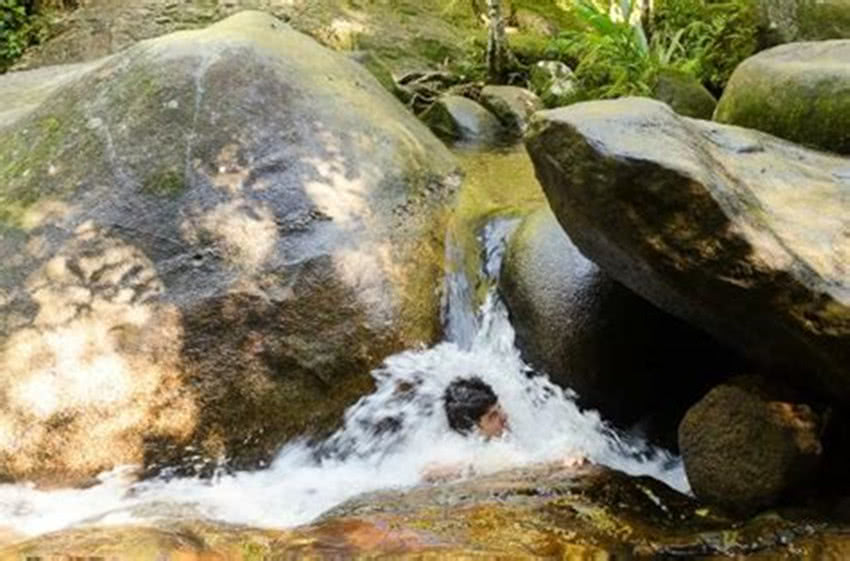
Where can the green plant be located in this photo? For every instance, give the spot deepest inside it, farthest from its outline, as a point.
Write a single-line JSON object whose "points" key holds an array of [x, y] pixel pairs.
{"points": [[715, 35], [614, 58], [705, 39], [19, 28]]}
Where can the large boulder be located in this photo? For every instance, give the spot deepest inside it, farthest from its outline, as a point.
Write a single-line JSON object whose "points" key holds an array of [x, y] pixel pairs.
{"points": [[747, 443], [203, 255], [799, 92], [597, 337], [733, 230], [784, 21]]}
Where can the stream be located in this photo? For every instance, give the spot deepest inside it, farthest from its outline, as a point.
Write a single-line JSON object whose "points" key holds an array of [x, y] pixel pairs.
{"points": [[389, 438]]}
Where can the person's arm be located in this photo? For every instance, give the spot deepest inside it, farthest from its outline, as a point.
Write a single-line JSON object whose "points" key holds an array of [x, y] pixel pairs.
{"points": [[570, 461], [439, 473]]}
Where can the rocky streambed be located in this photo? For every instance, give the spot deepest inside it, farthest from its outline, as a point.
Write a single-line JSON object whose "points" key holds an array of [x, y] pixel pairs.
{"points": [[207, 262]]}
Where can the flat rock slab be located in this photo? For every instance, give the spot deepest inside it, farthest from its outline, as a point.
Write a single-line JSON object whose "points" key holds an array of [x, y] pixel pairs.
{"points": [[542, 512], [800, 92], [736, 231]]}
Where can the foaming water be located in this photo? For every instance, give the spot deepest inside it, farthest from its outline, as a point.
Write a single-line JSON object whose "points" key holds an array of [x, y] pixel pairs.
{"points": [[388, 440]]}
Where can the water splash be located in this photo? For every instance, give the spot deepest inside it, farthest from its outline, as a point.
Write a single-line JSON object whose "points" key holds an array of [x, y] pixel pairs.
{"points": [[390, 437]]}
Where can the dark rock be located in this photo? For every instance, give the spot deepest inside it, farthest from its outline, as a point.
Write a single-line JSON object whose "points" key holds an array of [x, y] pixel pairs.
{"points": [[747, 443], [592, 334], [733, 230]]}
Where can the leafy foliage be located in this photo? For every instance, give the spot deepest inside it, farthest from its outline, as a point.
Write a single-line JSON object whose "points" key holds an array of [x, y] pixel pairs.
{"points": [[19, 28], [715, 35], [705, 39]]}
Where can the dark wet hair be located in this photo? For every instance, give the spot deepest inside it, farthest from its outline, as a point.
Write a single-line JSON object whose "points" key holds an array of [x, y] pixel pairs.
{"points": [[466, 400]]}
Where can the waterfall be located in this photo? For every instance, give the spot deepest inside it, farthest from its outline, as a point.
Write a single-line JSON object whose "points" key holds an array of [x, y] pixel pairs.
{"points": [[388, 438]]}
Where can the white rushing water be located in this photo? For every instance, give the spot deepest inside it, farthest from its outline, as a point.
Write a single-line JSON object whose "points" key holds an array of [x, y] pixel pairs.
{"points": [[389, 438]]}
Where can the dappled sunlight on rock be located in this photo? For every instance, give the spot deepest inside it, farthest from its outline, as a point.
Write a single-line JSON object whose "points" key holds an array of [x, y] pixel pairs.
{"points": [[86, 370], [369, 271], [245, 232], [45, 211]]}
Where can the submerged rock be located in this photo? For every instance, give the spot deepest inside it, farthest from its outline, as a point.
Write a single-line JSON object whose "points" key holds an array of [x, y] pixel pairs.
{"points": [[592, 334], [204, 256], [456, 117], [733, 230], [513, 106], [747, 443], [800, 92]]}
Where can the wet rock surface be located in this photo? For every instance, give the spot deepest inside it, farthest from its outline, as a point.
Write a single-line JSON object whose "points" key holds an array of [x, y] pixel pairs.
{"points": [[204, 256], [734, 230], [591, 334], [544, 512]]}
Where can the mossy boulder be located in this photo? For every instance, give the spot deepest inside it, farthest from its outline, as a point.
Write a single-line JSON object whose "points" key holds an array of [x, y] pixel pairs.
{"points": [[800, 92], [513, 106], [785, 21], [592, 334], [685, 95], [733, 230], [408, 35], [554, 82], [202, 251], [455, 117], [748, 443]]}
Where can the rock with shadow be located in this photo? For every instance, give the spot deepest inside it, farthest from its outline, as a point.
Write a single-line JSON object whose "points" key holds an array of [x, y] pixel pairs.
{"points": [[592, 334], [459, 118], [209, 239], [749, 444], [798, 92], [733, 230]]}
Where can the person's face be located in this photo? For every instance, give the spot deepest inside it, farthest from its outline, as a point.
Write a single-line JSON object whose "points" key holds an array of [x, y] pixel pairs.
{"points": [[494, 422]]}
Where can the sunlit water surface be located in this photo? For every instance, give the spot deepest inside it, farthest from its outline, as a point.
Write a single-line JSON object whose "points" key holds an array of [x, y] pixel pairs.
{"points": [[389, 437]]}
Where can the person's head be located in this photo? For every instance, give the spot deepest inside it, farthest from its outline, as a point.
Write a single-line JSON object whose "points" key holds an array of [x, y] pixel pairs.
{"points": [[472, 404]]}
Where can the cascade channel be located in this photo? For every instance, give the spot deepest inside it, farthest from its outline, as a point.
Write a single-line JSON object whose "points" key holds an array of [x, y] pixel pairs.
{"points": [[388, 439]]}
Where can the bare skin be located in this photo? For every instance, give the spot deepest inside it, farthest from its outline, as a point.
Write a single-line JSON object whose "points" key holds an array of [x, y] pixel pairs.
{"points": [[492, 424]]}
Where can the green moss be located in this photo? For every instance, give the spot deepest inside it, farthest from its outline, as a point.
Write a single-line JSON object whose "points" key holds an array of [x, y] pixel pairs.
{"points": [[529, 47], [821, 20], [684, 94], [807, 109], [552, 10], [165, 183], [434, 49], [252, 551]]}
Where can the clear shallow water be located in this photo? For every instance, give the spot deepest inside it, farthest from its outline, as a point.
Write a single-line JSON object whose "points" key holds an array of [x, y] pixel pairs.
{"points": [[388, 440]]}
